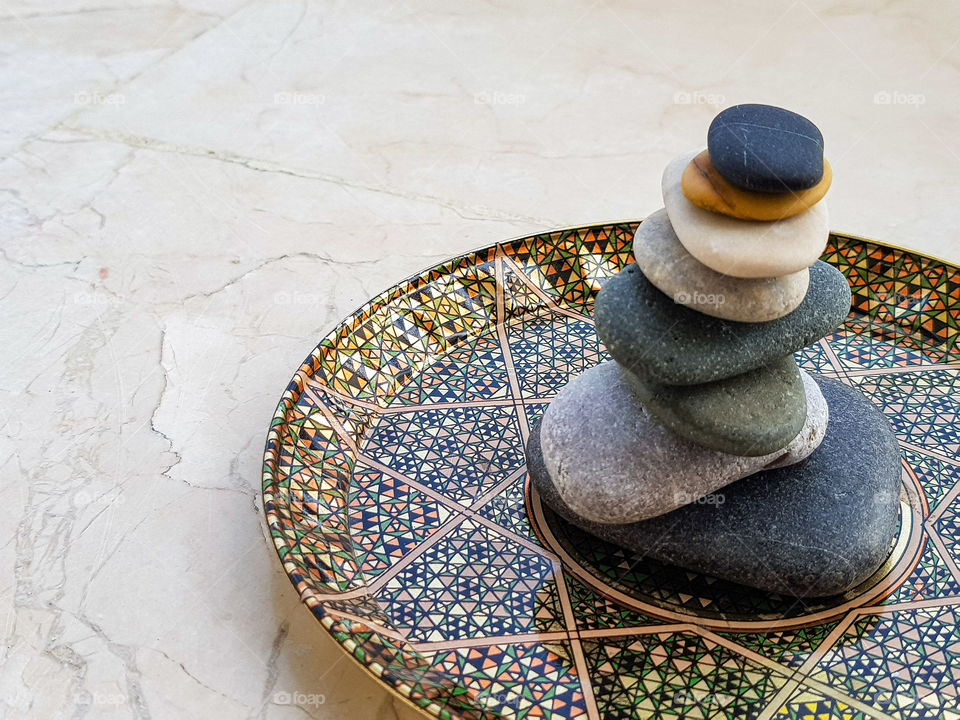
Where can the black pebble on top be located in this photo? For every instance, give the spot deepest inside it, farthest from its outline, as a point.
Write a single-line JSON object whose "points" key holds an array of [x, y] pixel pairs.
{"points": [[766, 149]]}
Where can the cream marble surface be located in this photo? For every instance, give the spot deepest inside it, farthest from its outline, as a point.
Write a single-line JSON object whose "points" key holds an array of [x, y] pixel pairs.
{"points": [[171, 170]]}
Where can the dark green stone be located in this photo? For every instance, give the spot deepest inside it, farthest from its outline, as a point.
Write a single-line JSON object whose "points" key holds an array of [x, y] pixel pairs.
{"points": [[755, 413], [666, 343]]}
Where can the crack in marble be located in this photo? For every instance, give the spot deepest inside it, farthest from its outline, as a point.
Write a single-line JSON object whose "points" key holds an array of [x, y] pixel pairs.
{"points": [[190, 675], [273, 670], [75, 264], [165, 472], [478, 213], [127, 656], [312, 255]]}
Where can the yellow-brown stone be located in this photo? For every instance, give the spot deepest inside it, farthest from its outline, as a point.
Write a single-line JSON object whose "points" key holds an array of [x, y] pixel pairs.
{"points": [[705, 187]]}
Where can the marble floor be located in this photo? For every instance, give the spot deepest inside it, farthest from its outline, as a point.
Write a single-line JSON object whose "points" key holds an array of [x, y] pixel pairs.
{"points": [[193, 191]]}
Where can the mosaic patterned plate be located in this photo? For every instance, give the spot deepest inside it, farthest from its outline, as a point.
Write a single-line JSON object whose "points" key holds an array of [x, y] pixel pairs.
{"points": [[396, 493]]}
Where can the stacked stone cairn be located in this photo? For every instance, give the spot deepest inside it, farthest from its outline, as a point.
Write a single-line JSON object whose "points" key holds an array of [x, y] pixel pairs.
{"points": [[702, 444]]}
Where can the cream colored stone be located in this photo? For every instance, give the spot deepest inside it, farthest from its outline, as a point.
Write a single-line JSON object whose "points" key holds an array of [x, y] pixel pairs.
{"points": [[676, 273], [743, 248]]}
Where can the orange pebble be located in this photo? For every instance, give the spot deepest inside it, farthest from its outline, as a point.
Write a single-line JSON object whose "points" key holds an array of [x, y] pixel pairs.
{"points": [[705, 187]]}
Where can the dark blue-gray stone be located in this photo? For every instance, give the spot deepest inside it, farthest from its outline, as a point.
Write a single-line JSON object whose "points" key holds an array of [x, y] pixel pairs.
{"points": [[667, 343], [766, 149], [819, 527]]}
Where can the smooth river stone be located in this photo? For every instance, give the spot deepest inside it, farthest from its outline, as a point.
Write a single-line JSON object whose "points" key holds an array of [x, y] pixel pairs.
{"points": [[743, 248], [614, 463], [755, 413], [708, 189], [818, 527], [763, 148], [686, 280], [670, 344]]}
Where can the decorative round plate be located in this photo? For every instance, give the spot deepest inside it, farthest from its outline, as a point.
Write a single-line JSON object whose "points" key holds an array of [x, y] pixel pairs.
{"points": [[396, 493]]}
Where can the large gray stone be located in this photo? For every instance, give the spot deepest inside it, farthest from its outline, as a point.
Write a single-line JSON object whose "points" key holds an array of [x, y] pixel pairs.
{"points": [[818, 527], [614, 463], [670, 344]]}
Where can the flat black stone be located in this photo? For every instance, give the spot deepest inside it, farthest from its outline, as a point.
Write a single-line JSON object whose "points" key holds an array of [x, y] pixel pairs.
{"points": [[670, 344], [766, 149], [819, 527]]}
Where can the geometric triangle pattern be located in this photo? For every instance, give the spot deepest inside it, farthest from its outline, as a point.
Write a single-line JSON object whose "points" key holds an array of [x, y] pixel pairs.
{"points": [[790, 648], [471, 370], [937, 476], [675, 675], [523, 680], [947, 527], [905, 664], [472, 582], [427, 446], [859, 351], [385, 486], [813, 358], [372, 353], [408, 672], [901, 298], [548, 349], [388, 518], [310, 506], [811, 705], [568, 265], [534, 411], [931, 579], [507, 509], [923, 407], [355, 419], [596, 612]]}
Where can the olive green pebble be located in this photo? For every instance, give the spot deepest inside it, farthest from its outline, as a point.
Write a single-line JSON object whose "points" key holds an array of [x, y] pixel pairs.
{"points": [[754, 413]]}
